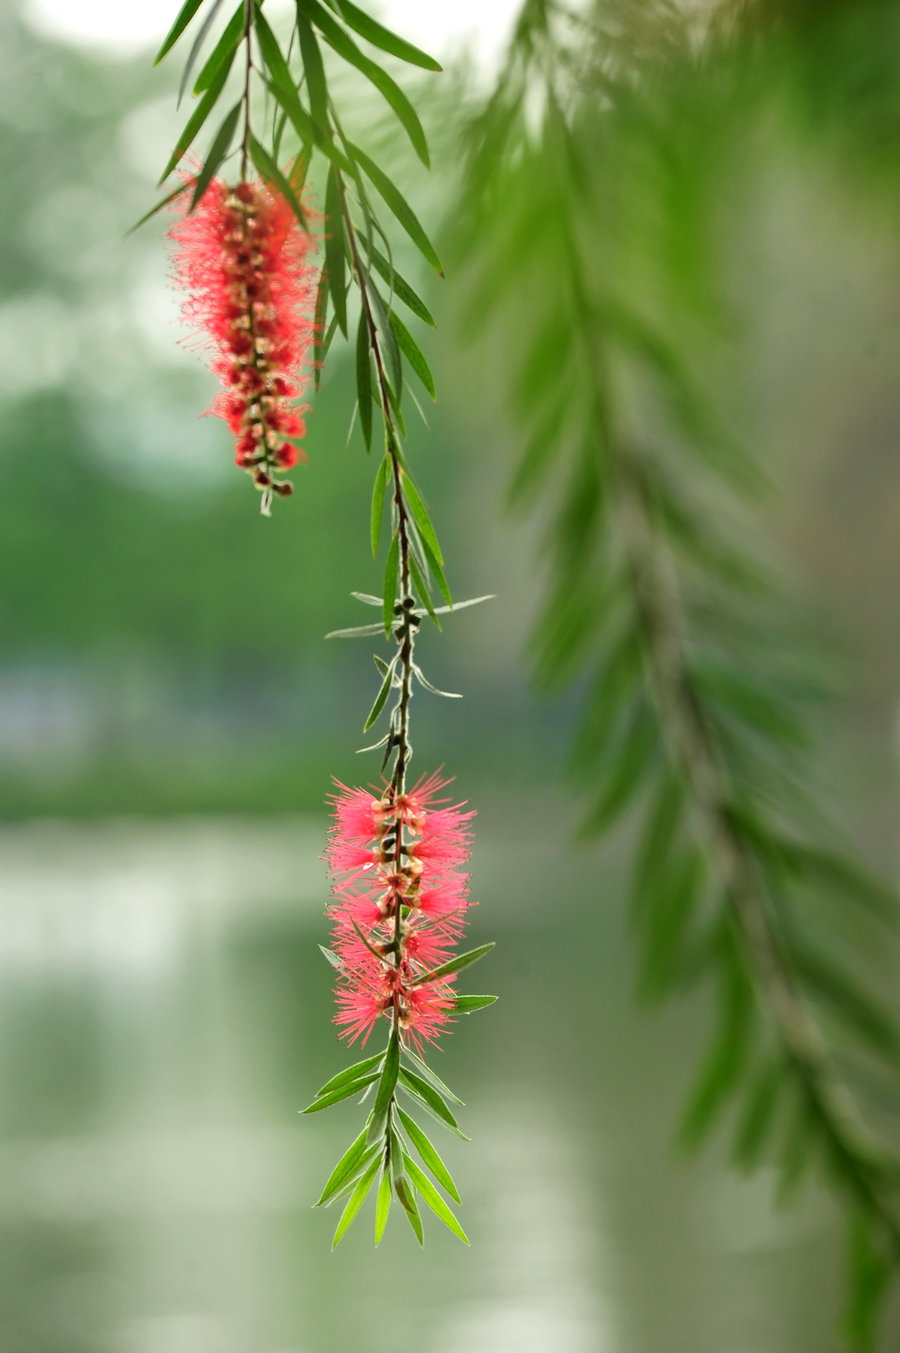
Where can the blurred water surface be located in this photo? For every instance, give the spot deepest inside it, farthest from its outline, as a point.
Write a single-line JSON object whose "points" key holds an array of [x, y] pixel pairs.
{"points": [[165, 1015]]}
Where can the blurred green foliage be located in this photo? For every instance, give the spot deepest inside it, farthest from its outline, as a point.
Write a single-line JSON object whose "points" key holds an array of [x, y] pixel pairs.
{"points": [[612, 171]]}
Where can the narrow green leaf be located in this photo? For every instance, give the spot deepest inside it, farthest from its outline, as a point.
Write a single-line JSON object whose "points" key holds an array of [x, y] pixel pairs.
{"points": [[659, 834], [371, 1153], [194, 124], [396, 1153], [636, 753], [413, 353], [270, 173], [399, 206], [382, 37], [801, 1136], [466, 1005], [389, 345], [382, 1205], [331, 957], [437, 570], [848, 1000], [399, 286], [429, 1154], [355, 1202], [421, 518], [375, 746], [314, 70], [364, 380], [671, 903], [841, 875], [421, 586], [421, 1090], [456, 964], [364, 939], [391, 573], [344, 1169], [320, 321], [272, 55], [548, 437], [196, 46], [323, 347], [300, 167], [727, 689], [356, 632], [380, 700], [288, 100], [724, 1064], [335, 253], [435, 690], [378, 491], [871, 1265], [433, 1078], [758, 1114], [620, 675], [222, 55], [434, 1200], [217, 152], [163, 202], [386, 1086], [462, 605], [352, 1073], [279, 125], [343, 44], [184, 17], [343, 1092], [571, 625], [407, 1198]]}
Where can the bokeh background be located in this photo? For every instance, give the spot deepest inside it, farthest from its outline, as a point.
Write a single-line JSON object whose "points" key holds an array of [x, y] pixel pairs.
{"points": [[170, 718]]}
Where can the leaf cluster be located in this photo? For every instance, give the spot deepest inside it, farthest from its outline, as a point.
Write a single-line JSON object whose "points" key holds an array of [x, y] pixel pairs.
{"points": [[383, 1150]]}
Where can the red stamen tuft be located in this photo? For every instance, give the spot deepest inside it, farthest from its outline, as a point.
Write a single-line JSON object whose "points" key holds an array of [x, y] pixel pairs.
{"points": [[243, 259]]}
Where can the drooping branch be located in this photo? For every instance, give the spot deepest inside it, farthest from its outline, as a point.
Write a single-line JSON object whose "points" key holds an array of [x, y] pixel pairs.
{"points": [[647, 597]]}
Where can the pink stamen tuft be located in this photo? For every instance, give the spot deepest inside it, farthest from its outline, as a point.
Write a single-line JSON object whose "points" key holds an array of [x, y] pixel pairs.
{"points": [[398, 909]]}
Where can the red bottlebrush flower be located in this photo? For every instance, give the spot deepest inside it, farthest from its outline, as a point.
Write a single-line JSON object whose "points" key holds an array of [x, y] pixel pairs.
{"points": [[445, 899], [398, 909], [359, 815], [429, 946], [361, 1002], [243, 259], [444, 836], [428, 1013]]}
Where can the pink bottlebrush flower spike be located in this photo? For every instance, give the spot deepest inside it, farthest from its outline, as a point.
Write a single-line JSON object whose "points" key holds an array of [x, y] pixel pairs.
{"points": [[243, 260], [384, 854]]}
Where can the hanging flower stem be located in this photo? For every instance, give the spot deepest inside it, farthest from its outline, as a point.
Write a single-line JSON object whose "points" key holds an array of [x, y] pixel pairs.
{"points": [[396, 854], [864, 1164], [245, 97], [396, 851]]}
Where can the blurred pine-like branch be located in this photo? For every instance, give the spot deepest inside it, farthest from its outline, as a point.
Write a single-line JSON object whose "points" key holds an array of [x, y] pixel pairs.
{"points": [[596, 167]]}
